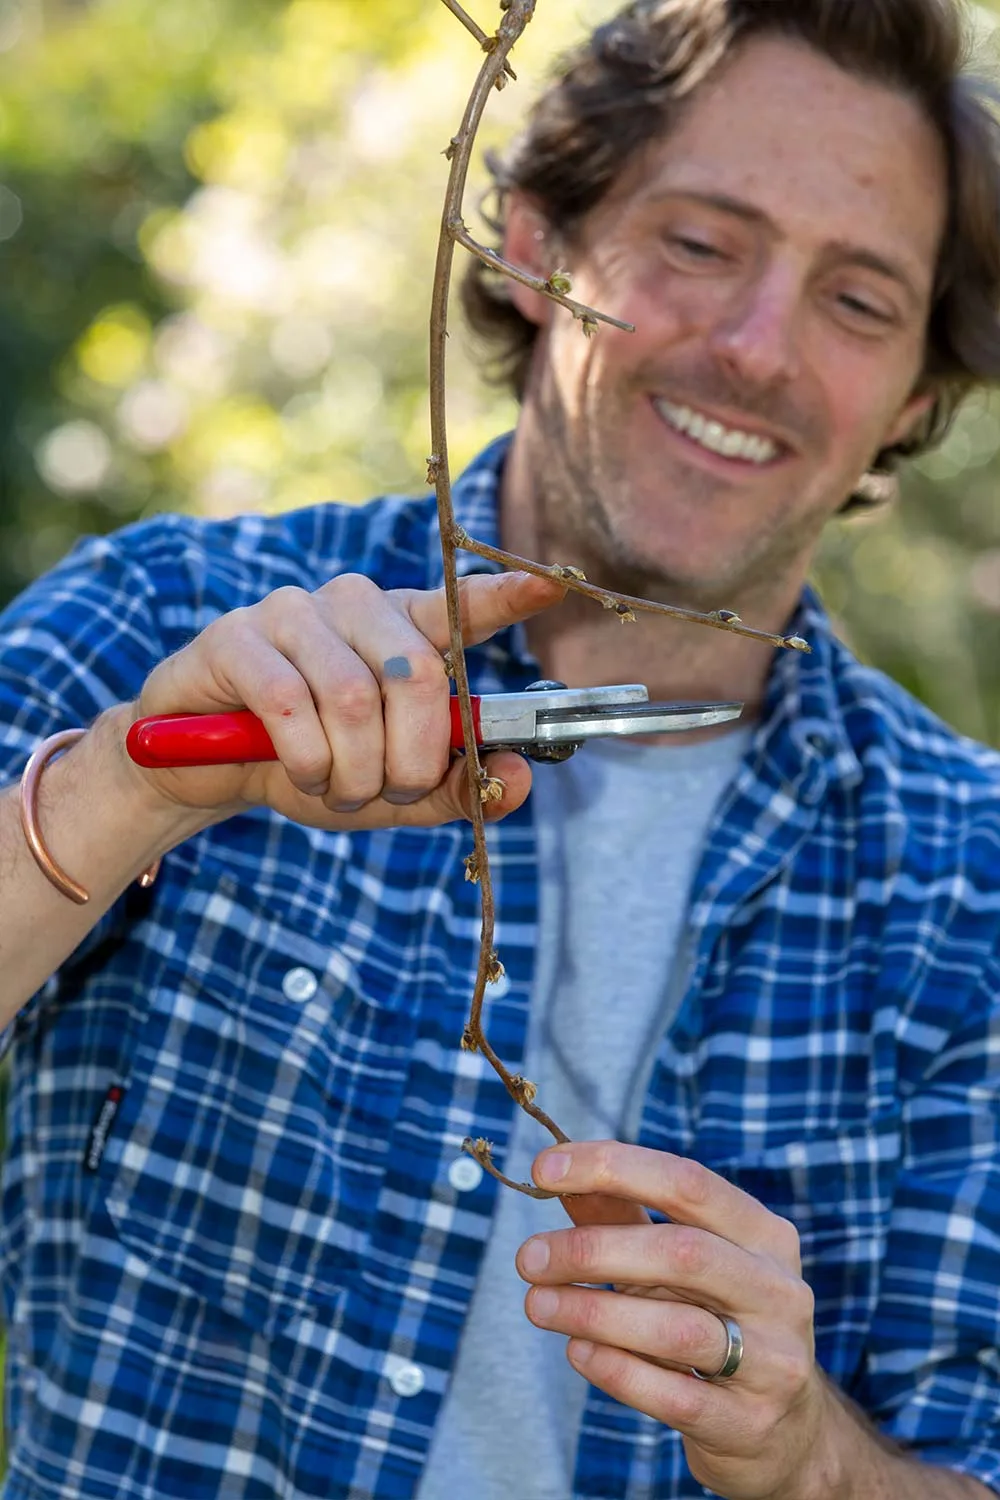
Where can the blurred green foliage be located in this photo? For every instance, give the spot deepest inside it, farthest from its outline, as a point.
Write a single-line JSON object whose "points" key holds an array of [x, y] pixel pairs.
{"points": [[217, 227]]}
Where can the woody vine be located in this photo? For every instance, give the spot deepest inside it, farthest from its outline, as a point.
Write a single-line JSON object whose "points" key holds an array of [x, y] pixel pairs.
{"points": [[495, 72]]}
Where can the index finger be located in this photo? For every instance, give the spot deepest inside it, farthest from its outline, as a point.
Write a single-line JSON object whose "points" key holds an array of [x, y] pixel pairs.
{"points": [[684, 1190], [489, 602]]}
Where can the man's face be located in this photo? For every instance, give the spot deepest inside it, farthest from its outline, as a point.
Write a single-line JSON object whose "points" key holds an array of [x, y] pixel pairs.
{"points": [[777, 255]]}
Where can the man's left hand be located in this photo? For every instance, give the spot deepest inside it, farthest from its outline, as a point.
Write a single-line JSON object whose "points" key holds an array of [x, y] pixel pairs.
{"points": [[760, 1433]]}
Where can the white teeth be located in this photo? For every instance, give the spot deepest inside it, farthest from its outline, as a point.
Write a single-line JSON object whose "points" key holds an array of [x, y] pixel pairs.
{"points": [[718, 439]]}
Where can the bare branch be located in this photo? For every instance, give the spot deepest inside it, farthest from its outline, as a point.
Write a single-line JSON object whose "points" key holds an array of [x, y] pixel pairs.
{"points": [[486, 42], [483, 788], [624, 605], [552, 288], [482, 1152]]}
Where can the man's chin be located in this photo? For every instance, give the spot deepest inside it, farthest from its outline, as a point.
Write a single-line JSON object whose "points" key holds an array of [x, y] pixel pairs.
{"points": [[663, 584]]}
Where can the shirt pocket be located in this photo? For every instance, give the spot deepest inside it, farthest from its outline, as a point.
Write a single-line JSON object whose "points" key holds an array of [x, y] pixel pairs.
{"points": [[249, 1149], [837, 1188]]}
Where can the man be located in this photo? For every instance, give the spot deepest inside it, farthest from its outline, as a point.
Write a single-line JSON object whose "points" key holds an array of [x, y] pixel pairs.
{"points": [[243, 1253]]}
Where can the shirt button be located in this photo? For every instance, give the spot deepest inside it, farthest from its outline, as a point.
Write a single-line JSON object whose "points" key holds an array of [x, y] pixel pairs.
{"points": [[407, 1380], [299, 984], [464, 1174]]}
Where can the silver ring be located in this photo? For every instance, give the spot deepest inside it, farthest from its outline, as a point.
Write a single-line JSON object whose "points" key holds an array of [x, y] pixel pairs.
{"points": [[734, 1352]]}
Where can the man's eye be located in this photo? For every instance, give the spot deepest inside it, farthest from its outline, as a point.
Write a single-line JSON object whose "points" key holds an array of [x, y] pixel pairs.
{"points": [[859, 308], [696, 249]]}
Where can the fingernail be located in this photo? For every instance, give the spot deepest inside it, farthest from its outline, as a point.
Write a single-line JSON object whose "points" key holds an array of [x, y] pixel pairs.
{"points": [[544, 1304], [535, 1256], [402, 799], [579, 1351], [553, 1166], [349, 807]]}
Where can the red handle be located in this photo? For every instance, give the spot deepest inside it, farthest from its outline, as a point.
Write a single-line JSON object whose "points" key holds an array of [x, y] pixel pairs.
{"points": [[166, 740]]}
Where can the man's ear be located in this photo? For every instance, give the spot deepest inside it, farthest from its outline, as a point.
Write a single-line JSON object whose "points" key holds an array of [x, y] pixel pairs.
{"points": [[913, 413], [527, 244]]}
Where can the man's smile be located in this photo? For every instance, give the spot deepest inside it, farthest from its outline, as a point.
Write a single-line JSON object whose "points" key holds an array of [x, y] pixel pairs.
{"points": [[734, 445]]}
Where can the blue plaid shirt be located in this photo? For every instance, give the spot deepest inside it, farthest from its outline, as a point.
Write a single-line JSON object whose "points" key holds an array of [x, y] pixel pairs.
{"points": [[259, 1288]]}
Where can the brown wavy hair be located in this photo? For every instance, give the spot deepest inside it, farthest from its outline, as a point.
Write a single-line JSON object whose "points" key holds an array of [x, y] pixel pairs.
{"points": [[627, 84]]}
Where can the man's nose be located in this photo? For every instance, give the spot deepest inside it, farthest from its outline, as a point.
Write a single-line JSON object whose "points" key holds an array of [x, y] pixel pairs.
{"points": [[757, 336]]}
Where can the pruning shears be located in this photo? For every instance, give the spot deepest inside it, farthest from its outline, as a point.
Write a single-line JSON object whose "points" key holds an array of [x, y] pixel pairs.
{"points": [[546, 722]]}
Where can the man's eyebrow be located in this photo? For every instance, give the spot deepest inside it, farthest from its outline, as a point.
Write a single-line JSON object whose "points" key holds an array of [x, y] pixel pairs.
{"points": [[858, 255], [894, 270]]}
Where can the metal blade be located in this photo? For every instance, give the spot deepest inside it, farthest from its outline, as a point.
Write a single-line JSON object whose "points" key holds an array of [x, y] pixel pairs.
{"points": [[571, 725]]}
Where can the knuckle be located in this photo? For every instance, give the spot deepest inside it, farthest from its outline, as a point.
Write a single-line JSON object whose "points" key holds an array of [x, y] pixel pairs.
{"points": [[687, 1249], [584, 1250], [352, 588], [787, 1240], [355, 700], [309, 770], [692, 1182], [588, 1316], [427, 675], [281, 693], [607, 1164], [233, 625], [801, 1301], [288, 597]]}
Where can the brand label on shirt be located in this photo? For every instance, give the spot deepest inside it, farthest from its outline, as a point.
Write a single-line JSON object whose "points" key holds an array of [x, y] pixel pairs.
{"points": [[101, 1128]]}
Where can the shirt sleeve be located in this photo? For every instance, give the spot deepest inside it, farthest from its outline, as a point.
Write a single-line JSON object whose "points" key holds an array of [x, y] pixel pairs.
{"points": [[79, 640], [932, 1376]]}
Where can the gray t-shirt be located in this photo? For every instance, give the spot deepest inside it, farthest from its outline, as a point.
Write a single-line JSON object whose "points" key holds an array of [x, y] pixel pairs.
{"points": [[620, 830]]}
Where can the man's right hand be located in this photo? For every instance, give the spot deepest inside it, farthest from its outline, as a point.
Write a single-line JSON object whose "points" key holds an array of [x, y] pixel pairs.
{"points": [[350, 684]]}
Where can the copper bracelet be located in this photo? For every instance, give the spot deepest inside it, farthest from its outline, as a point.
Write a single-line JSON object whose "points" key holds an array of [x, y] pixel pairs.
{"points": [[37, 762]]}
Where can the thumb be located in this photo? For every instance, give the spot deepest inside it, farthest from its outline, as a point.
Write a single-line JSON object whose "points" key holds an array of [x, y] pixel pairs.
{"points": [[489, 602], [451, 799]]}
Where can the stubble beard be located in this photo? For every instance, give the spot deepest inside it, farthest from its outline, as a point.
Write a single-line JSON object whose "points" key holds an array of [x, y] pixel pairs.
{"points": [[574, 479]]}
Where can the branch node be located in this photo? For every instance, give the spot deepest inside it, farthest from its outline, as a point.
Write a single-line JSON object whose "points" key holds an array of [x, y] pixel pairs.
{"points": [[726, 616], [433, 469], [481, 1150], [523, 1089], [494, 968], [796, 643], [491, 788], [566, 571], [469, 1043], [448, 663], [471, 863], [589, 325], [625, 614], [560, 283], [459, 536]]}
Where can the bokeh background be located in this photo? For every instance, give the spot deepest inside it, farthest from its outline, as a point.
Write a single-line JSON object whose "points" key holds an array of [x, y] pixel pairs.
{"points": [[217, 227]]}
